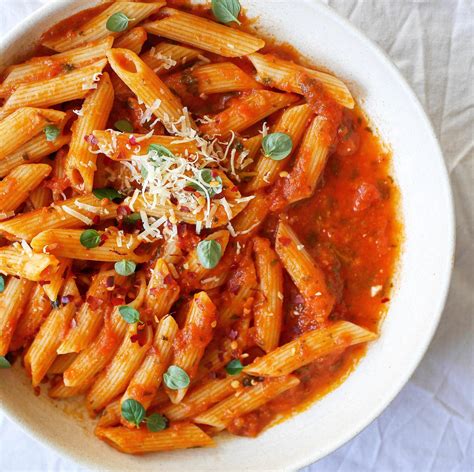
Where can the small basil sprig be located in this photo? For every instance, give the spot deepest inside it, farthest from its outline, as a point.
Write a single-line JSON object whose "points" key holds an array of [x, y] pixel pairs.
{"points": [[277, 146], [234, 367], [124, 126], [2, 283], [109, 193], [160, 150], [226, 11], [129, 314], [125, 267], [176, 378], [90, 238], [209, 253], [51, 132], [205, 180], [118, 22], [134, 412], [4, 363]]}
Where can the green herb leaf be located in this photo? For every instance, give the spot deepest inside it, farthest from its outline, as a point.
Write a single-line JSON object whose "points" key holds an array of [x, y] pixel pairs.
{"points": [[51, 132], [176, 378], [209, 253], [4, 363], [226, 11], [133, 411], [132, 218], [129, 314], [118, 22], [277, 146], [109, 193], [2, 283], [125, 267], [160, 150], [90, 238], [156, 422], [124, 126], [205, 180], [234, 367]]}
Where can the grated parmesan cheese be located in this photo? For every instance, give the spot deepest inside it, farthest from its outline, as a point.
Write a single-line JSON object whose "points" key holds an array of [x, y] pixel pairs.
{"points": [[26, 248], [70, 211]]}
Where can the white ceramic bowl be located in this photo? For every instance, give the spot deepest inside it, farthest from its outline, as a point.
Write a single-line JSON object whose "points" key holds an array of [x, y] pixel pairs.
{"points": [[422, 284]]}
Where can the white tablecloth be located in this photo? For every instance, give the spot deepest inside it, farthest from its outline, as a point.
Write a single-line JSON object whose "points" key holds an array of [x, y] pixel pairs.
{"points": [[430, 425]]}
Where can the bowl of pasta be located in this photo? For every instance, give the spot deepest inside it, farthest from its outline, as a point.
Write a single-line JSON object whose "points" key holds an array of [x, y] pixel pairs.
{"points": [[222, 224]]}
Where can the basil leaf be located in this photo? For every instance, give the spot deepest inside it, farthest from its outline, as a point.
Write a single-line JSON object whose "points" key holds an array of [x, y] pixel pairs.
{"points": [[109, 193], [226, 11], [132, 218], [124, 126], [176, 378], [160, 150], [118, 22], [133, 411], [4, 363], [206, 178], [2, 283], [125, 267], [209, 253], [277, 146], [51, 132], [156, 422], [129, 314], [90, 238], [234, 367]]}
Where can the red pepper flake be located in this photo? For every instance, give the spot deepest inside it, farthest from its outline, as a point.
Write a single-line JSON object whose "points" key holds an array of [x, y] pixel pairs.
{"points": [[173, 200], [110, 282], [299, 299], [185, 209], [103, 238], [91, 139], [116, 301], [96, 219], [94, 302], [234, 189], [284, 241], [385, 300], [123, 210], [67, 299], [233, 334], [215, 173], [168, 280], [132, 140], [44, 282]]}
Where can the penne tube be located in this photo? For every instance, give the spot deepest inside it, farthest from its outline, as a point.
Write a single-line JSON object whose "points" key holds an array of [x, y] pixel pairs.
{"points": [[162, 291], [90, 315], [277, 73], [146, 85], [111, 415], [56, 279], [293, 122], [219, 77], [114, 380], [37, 308], [147, 379], [192, 340], [122, 146], [204, 34], [305, 273], [139, 441], [47, 67], [73, 213], [20, 262], [133, 40], [309, 347], [61, 363], [96, 28], [164, 57], [247, 110], [66, 243], [12, 302], [252, 217], [203, 396], [80, 163], [89, 362], [45, 93], [268, 309], [40, 197], [247, 399], [42, 352], [17, 185], [22, 125]]}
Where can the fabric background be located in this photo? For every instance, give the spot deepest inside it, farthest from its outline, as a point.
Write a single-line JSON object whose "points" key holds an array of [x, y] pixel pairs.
{"points": [[430, 425]]}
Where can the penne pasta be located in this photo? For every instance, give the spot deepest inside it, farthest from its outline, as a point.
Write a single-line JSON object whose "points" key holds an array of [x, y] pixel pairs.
{"points": [[139, 441], [252, 217], [247, 110], [80, 163], [96, 28], [308, 347], [40, 197], [305, 273], [204, 34], [66, 243], [56, 279], [17, 185], [164, 57], [245, 401], [61, 363], [275, 72], [133, 40], [12, 302]]}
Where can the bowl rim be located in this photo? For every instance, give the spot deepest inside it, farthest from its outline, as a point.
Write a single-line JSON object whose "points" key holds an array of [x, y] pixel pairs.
{"points": [[450, 239]]}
